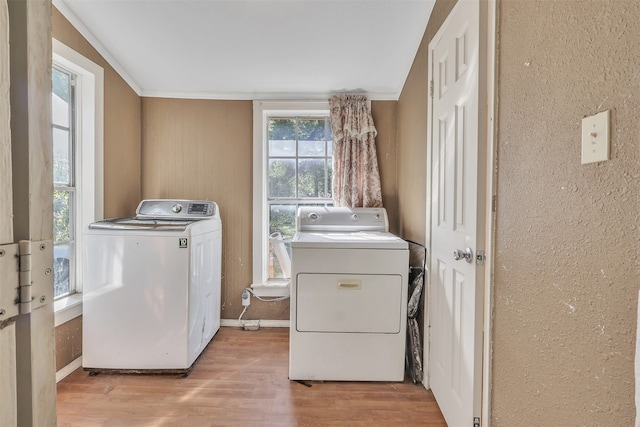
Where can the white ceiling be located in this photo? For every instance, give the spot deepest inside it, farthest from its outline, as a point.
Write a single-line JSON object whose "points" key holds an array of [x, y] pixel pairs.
{"points": [[255, 49]]}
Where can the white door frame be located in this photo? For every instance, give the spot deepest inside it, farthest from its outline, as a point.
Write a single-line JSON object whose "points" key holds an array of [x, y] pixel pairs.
{"points": [[487, 107]]}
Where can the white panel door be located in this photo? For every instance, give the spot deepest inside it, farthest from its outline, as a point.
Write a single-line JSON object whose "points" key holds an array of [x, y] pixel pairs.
{"points": [[456, 296]]}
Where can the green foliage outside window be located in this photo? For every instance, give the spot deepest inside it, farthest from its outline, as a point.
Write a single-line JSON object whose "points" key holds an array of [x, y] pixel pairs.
{"points": [[299, 170], [63, 194]]}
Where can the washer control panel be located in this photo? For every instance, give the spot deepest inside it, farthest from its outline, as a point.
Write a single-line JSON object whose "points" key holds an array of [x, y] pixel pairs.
{"points": [[176, 209]]}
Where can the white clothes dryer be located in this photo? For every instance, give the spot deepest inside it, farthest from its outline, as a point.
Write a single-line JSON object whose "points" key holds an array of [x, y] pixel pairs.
{"points": [[348, 296], [151, 289]]}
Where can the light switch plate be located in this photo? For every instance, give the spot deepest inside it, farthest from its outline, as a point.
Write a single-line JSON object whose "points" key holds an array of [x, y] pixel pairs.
{"points": [[595, 138]]}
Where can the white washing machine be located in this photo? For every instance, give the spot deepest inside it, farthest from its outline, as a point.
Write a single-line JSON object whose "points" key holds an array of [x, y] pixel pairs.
{"points": [[348, 296], [151, 288]]}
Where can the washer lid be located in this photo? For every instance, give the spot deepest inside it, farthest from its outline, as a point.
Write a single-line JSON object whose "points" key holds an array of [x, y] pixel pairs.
{"points": [[176, 209], [142, 224], [348, 240]]}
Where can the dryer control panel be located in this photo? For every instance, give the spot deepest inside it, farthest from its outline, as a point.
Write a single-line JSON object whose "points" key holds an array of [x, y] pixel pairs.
{"points": [[334, 219]]}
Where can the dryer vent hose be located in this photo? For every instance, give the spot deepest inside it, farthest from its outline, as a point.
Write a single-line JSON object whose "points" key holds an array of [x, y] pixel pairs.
{"points": [[280, 250]]}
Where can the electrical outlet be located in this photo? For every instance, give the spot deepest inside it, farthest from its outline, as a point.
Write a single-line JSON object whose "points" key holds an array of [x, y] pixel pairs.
{"points": [[246, 298]]}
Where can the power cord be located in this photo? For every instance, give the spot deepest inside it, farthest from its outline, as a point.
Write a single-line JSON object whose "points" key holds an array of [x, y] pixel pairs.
{"points": [[246, 300], [275, 299]]}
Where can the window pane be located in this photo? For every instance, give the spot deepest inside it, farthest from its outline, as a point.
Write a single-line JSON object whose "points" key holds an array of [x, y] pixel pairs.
{"points": [[62, 103], [311, 130], [282, 137], [63, 249], [311, 178], [60, 98], [61, 157], [311, 148], [282, 148], [279, 253], [282, 174], [282, 129], [299, 163], [62, 265], [61, 216], [282, 219]]}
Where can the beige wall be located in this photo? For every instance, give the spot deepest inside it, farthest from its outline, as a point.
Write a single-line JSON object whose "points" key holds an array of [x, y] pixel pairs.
{"points": [[385, 119], [68, 342], [202, 149], [567, 251]]}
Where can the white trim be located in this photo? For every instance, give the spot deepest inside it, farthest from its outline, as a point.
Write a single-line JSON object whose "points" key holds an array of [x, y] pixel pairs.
{"points": [[89, 159], [87, 34], [69, 369], [427, 273], [264, 323], [264, 96], [488, 32], [487, 349], [91, 126], [262, 109], [67, 308]]}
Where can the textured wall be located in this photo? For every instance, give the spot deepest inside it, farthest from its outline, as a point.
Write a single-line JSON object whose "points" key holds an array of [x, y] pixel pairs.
{"points": [[68, 342], [567, 252], [121, 126]]}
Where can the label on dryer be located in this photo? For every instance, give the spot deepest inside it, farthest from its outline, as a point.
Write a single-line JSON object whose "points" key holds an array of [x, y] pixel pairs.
{"points": [[183, 242]]}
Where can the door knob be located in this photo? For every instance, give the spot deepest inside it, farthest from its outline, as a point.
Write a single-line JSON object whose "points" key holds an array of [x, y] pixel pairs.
{"points": [[467, 255]]}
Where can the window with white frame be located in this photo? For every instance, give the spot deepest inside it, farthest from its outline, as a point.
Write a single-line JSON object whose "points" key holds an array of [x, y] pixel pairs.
{"points": [[293, 167], [77, 117], [63, 105]]}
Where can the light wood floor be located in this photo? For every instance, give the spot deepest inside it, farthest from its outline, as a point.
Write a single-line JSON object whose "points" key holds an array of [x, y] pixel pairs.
{"points": [[240, 380]]}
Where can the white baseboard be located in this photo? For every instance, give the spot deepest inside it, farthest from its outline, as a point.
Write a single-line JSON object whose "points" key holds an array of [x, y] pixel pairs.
{"points": [[264, 323], [68, 370]]}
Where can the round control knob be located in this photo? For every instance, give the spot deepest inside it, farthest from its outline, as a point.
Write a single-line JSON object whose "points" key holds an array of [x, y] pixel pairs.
{"points": [[354, 217], [177, 208], [313, 216]]}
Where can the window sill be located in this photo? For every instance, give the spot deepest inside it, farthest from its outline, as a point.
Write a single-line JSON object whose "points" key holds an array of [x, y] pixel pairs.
{"points": [[67, 308], [272, 288]]}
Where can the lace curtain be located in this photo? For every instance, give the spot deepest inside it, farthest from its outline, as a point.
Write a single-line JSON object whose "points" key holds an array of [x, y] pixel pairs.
{"points": [[356, 178]]}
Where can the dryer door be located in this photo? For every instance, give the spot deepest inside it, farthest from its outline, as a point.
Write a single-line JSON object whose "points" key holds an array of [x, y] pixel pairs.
{"points": [[366, 303]]}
